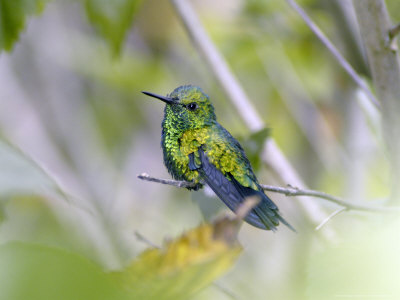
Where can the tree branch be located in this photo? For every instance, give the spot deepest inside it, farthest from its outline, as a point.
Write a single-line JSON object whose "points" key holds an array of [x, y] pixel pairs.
{"points": [[290, 192], [335, 52], [177, 183], [375, 24]]}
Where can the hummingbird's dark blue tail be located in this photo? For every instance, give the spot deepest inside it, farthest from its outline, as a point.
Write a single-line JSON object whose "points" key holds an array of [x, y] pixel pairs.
{"points": [[266, 211], [265, 215]]}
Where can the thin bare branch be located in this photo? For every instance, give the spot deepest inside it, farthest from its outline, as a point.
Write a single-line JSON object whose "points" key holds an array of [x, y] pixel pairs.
{"points": [[335, 213], [335, 52], [293, 191], [177, 183], [288, 191], [241, 212]]}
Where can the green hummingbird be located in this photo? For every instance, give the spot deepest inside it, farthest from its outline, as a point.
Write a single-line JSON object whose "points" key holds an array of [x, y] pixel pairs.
{"points": [[197, 148]]}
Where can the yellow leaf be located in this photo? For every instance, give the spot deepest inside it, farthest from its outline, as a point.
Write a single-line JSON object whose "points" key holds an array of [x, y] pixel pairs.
{"points": [[183, 266]]}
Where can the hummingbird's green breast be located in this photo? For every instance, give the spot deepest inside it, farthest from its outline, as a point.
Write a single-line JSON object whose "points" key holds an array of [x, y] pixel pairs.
{"points": [[221, 148]]}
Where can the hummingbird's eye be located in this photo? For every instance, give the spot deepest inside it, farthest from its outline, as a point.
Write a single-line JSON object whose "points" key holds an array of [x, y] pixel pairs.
{"points": [[192, 106]]}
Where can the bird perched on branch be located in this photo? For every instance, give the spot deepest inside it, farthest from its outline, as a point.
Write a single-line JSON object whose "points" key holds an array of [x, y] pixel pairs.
{"points": [[197, 148]]}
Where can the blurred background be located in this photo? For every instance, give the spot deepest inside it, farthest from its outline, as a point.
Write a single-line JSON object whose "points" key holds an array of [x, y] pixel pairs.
{"points": [[76, 131]]}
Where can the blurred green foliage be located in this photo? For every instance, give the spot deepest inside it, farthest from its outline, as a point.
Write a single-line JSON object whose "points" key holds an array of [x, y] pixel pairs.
{"points": [[13, 17], [38, 272], [112, 19], [35, 270]]}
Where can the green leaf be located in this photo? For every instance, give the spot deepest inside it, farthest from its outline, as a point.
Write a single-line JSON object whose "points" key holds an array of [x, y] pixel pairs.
{"points": [[112, 19], [253, 145], [35, 272], [13, 15]]}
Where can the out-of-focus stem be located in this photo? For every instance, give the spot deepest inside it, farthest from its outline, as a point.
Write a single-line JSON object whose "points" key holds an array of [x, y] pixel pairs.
{"points": [[375, 26], [331, 47]]}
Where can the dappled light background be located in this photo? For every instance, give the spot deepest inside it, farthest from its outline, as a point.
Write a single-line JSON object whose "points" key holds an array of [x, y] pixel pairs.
{"points": [[70, 100]]}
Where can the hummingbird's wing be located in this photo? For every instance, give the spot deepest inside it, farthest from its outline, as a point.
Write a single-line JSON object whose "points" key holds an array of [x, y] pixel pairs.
{"points": [[265, 215]]}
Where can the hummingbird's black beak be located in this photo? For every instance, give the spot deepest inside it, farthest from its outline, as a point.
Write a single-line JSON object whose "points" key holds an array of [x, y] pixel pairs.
{"points": [[162, 98]]}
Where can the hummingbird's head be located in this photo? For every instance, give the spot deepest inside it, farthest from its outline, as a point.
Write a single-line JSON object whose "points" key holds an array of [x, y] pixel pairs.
{"points": [[188, 105]]}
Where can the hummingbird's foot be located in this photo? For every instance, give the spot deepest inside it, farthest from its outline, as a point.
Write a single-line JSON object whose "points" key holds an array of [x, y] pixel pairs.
{"points": [[195, 187]]}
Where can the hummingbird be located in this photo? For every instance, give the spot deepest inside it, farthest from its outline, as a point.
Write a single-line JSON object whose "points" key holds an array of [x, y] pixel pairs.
{"points": [[196, 148]]}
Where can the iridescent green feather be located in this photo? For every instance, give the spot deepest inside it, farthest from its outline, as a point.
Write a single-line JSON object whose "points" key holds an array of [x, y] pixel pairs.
{"points": [[190, 129]]}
